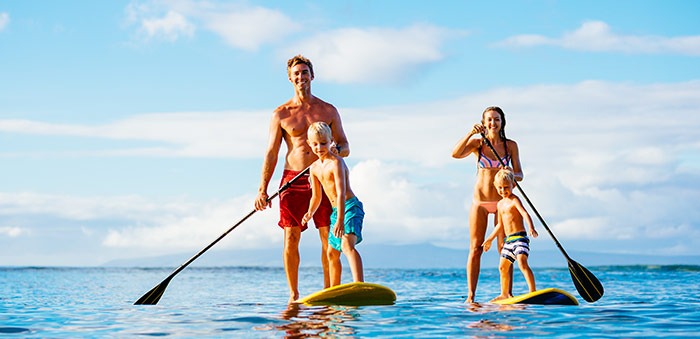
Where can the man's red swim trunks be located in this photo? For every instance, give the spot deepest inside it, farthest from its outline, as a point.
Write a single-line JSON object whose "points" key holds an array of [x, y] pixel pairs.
{"points": [[294, 203]]}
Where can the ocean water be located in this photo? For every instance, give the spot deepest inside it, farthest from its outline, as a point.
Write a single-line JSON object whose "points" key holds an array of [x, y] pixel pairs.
{"points": [[639, 301]]}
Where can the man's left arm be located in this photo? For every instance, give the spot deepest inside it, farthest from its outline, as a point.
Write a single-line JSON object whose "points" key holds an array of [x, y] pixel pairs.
{"points": [[341, 141]]}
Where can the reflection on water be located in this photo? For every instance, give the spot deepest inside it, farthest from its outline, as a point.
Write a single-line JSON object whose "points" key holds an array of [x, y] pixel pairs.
{"points": [[487, 308], [316, 321], [490, 324], [302, 321]]}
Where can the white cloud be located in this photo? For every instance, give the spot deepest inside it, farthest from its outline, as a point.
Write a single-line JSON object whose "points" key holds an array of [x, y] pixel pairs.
{"points": [[11, 232], [144, 223], [169, 27], [597, 36], [241, 26], [348, 55], [4, 20], [399, 210], [588, 228], [197, 229], [251, 27], [131, 207], [184, 134], [584, 127], [354, 55], [602, 161]]}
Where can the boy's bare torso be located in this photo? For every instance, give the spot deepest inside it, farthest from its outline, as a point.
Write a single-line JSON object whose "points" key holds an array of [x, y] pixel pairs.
{"points": [[511, 218], [324, 171]]}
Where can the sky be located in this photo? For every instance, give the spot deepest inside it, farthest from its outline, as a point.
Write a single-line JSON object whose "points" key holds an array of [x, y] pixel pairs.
{"points": [[137, 128]]}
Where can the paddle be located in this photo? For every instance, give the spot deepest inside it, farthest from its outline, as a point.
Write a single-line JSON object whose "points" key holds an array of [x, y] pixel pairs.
{"points": [[152, 297], [586, 283]]}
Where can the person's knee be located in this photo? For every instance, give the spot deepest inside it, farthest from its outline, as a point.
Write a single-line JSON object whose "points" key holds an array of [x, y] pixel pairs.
{"points": [[333, 254], [291, 247], [522, 261], [504, 266], [476, 250], [292, 234], [347, 247]]}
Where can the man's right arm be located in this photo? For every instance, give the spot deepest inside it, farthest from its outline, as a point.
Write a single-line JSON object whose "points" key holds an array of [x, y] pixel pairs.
{"points": [[270, 161]]}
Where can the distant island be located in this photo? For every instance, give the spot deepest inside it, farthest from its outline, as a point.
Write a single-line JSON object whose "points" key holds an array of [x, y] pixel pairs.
{"points": [[403, 256]]}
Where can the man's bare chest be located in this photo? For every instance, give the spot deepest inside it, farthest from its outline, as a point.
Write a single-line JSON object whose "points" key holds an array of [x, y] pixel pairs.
{"points": [[297, 125]]}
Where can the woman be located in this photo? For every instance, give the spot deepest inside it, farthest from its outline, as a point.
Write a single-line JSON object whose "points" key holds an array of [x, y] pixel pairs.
{"points": [[493, 123]]}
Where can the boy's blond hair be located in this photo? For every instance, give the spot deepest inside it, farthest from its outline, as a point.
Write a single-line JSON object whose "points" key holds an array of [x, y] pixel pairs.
{"points": [[320, 129], [504, 175]]}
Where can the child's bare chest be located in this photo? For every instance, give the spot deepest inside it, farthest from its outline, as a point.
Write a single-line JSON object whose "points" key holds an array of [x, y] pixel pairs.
{"points": [[509, 212], [327, 176]]}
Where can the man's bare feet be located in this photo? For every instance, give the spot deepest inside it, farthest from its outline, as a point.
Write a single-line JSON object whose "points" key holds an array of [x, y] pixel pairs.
{"points": [[501, 297], [470, 299]]}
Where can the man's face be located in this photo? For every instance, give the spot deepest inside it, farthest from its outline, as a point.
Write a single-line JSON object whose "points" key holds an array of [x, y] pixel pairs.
{"points": [[300, 75]]}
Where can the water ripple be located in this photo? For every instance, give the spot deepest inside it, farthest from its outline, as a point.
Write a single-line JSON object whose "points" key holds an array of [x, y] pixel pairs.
{"points": [[640, 301]]}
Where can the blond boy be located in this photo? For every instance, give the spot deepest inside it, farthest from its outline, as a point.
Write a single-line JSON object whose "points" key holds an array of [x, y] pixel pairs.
{"points": [[331, 173], [510, 215]]}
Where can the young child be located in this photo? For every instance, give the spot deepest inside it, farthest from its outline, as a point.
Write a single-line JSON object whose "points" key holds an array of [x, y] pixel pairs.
{"points": [[510, 215], [330, 172]]}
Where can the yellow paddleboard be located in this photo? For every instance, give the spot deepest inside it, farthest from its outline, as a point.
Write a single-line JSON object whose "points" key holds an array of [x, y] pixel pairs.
{"points": [[353, 294], [548, 296]]}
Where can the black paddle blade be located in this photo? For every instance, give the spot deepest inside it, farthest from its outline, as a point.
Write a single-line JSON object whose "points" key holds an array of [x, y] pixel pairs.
{"points": [[153, 296], [587, 285]]}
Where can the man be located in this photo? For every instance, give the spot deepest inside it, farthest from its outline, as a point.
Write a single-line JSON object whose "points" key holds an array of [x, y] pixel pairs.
{"points": [[289, 122]]}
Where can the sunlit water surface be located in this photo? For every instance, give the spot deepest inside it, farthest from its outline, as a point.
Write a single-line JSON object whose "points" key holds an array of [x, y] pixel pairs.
{"points": [[639, 301]]}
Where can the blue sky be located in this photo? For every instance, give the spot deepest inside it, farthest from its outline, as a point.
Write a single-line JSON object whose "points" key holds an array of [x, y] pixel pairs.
{"points": [[136, 128]]}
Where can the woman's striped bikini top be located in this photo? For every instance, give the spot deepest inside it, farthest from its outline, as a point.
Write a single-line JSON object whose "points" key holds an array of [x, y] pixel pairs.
{"points": [[485, 162]]}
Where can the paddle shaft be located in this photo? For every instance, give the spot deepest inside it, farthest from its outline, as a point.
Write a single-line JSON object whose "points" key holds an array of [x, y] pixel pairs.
{"points": [[488, 143], [280, 190]]}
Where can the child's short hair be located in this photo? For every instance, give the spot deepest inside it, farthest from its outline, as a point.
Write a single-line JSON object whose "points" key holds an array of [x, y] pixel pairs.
{"points": [[504, 174], [320, 129]]}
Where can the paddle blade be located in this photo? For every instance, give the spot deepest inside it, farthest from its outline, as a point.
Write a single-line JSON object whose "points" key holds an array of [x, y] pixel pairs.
{"points": [[153, 296], [587, 285]]}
